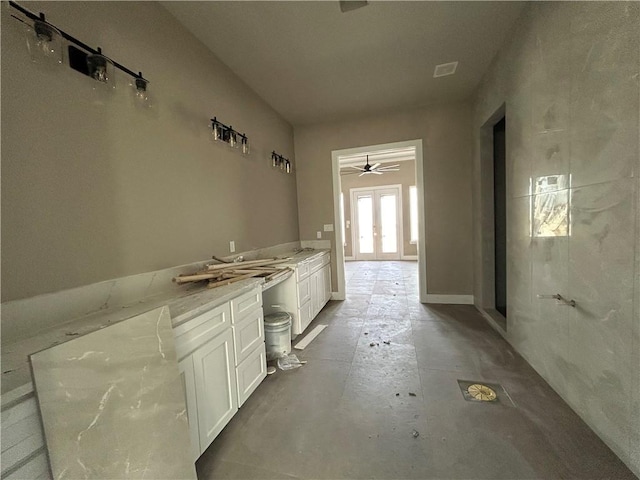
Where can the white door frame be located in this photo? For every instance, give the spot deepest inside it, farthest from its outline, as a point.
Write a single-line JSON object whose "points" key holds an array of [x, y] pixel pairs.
{"points": [[399, 217], [340, 294]]}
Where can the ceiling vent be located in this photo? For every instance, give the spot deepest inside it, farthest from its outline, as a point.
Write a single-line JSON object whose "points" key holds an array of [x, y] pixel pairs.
{"points": [[445, 69], [348, 5]]}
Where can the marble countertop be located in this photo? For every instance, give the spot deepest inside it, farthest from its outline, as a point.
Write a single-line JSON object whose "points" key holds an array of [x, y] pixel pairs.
{"points": [[191, 302]]}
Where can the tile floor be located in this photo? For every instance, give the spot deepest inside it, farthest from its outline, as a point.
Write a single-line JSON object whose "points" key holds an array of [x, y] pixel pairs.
{"points": [[348, 412]]}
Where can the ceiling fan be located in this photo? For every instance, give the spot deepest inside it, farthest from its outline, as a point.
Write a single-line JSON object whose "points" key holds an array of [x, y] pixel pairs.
{"points": [[375, 168]]}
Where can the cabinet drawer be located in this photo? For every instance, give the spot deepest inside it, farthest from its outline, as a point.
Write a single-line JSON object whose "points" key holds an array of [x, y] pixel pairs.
{"points": [[244, 304], [251, 372], [248, 334], [302, 270], [197, 331], [304, 291], [316, 263]]}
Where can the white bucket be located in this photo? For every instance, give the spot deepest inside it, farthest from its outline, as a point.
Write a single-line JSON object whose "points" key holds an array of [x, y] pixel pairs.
{"points": [[277, 334]]}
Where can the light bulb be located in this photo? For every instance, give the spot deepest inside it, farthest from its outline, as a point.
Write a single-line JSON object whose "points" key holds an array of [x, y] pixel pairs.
{"points": [[216, 131], [101, 68], [233, 140], [140, 91], [245, 146]]}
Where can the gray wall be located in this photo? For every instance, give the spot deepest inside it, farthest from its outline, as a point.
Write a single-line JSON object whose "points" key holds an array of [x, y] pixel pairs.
{"points": [[446, 135], [94, 189], [406, 177], [569, 82]]}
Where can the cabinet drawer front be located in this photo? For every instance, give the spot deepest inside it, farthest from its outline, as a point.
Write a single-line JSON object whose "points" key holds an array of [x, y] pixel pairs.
{"points": [[245, 304], [316, 263], [302, 270], [304, 291], [250, 373], [248, 334], [200, 329]]}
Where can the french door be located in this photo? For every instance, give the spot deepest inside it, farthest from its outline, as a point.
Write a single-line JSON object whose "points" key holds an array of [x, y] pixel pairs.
{"points": [[377, 218]]}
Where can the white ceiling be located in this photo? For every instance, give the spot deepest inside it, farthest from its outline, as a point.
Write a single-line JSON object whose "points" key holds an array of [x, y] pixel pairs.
{"points": [[313, 63]]}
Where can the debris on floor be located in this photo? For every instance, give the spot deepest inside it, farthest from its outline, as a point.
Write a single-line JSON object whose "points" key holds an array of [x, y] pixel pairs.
{"points": [[397, 394], [271, 370], [411, 394], [415, 434], [387, 342], [366, 333], [310, 337], [289, 362]]}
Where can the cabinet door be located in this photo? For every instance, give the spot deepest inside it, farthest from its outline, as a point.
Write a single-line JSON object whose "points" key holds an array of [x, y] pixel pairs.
{"points": [[251, 372], [215, 377], [313, 286], [304, 291], [327, 283], [187, 373]]}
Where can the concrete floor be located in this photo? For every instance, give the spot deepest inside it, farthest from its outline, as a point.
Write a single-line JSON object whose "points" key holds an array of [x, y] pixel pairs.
{"points": [[348, 412]]}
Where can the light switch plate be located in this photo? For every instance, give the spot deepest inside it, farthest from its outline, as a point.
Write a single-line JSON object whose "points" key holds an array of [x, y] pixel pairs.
{"points": [[328, 227]]}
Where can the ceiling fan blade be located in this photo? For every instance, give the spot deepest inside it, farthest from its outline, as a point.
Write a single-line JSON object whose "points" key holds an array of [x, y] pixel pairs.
{"points": [[363, 173], [374, 166], [376, 172], [390, 170], [388, 166]]}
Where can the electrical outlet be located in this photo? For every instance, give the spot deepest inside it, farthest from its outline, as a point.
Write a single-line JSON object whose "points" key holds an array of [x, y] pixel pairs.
{"points": [[319, 235], [232, 246], [348, 224]]}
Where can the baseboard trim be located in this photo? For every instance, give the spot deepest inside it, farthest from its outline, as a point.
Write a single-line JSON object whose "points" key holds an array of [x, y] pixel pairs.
{"points": [[337, 296], [409, 257], [349, 259], [450, 299], [492, 322]]}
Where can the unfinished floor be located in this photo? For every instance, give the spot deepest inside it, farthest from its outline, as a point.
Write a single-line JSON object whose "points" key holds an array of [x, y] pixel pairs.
{"points": [[350, 412]]}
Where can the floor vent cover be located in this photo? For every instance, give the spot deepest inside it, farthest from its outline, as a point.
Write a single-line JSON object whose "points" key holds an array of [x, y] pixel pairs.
{"points": [[474, 391]]}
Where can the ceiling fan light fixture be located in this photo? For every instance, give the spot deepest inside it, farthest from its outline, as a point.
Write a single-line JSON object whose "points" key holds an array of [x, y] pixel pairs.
{"points": [[349, 5], [445, 69]]}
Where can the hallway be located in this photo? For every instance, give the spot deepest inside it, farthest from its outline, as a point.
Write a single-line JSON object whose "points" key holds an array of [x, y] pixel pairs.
{"points": [[352, 410]]}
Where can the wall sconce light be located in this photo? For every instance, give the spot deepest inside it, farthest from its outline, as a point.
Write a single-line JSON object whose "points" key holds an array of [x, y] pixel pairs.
{"points": [[281, 163], [139, 89], [101, 68], [226, 133], [45, 40]]}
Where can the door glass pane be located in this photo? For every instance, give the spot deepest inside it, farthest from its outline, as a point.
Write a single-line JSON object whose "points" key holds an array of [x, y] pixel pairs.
{"points": [[388, 223], [365, 224]]}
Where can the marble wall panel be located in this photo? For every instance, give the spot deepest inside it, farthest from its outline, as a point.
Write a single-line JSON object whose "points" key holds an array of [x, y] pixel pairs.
{"points": [[570, 82], [112, 403], [601, 280]]}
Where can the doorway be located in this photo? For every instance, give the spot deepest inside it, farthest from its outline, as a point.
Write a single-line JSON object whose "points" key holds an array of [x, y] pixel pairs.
{"points": [[500, 214], [377, 222], [342, 228]]}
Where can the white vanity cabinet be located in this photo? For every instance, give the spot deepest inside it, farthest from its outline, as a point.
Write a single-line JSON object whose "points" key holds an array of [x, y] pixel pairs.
{"points": [[303, 294], [222, 359]]}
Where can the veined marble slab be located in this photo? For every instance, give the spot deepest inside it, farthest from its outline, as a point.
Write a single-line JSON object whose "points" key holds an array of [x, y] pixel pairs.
{"points": [[112, 403]]}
